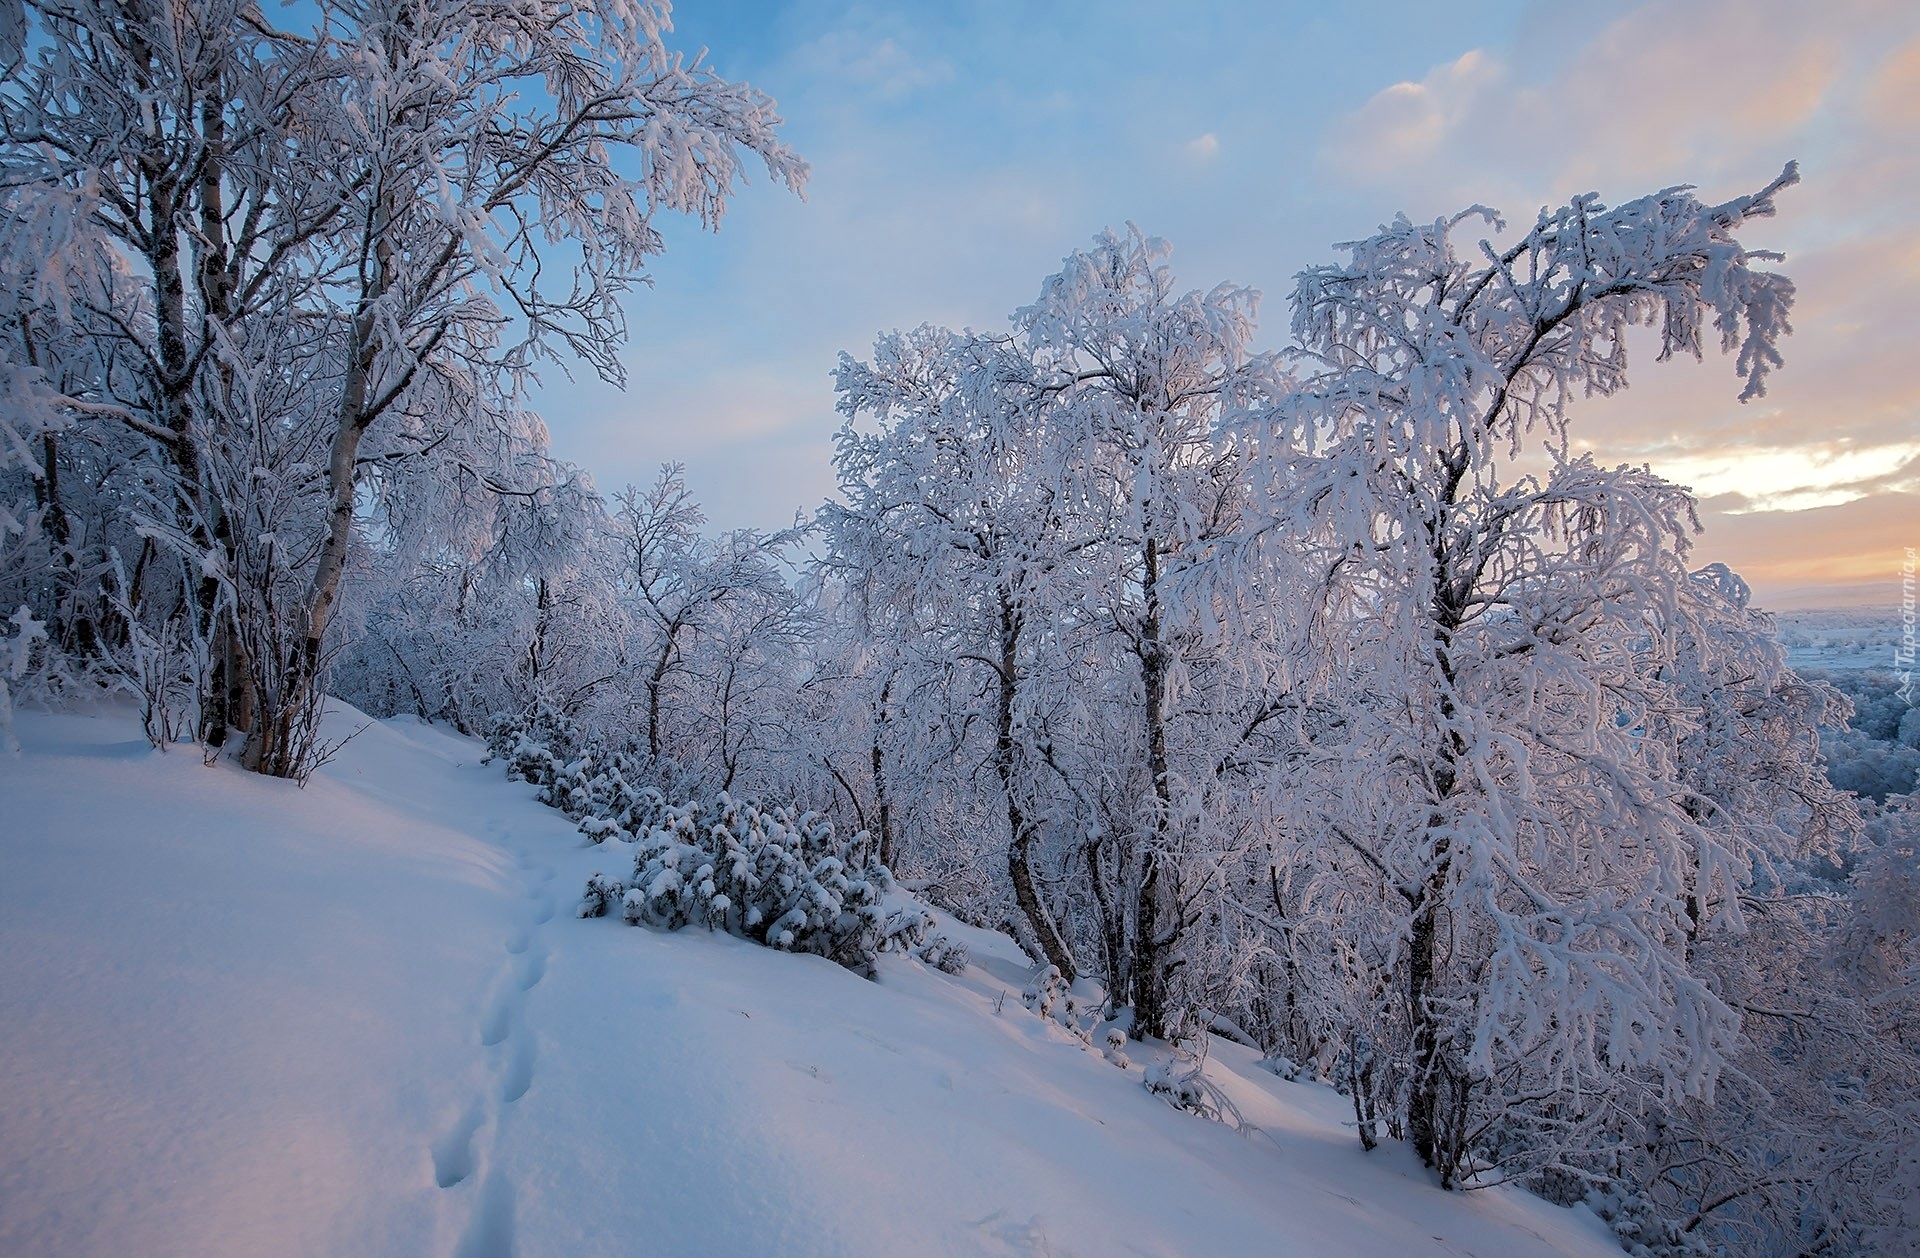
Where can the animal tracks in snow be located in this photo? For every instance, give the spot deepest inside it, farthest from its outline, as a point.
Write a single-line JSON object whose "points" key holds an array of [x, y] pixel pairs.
{"points": [[463, 1153], [519, 1076], [503, 1015], [533, 968], [490, 1234], [453, 1152]]}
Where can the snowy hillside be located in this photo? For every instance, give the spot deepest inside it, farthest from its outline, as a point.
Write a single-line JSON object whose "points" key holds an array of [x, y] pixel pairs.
{"points": [[244, 1018]]}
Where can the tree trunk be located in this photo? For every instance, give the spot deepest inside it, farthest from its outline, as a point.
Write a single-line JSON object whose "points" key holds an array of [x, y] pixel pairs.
{"points": [[1021, 828], [1435, 1103], [883, 802], [287, 719], [656, 680], [1113, 921], [174, 386], [1157, 925], [229, 697], [1425, 1122], [279, 748]]}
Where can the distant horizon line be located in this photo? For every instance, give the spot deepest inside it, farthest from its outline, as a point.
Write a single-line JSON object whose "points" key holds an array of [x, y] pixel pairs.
{"points": [[1853, 596]]}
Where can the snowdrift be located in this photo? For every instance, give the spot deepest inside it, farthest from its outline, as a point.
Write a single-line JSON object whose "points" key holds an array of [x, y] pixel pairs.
{"points": [[243, 1018]]}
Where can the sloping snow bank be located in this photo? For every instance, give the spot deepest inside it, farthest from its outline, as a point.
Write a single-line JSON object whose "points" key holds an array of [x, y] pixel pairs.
{"points": [[241, 1018]]}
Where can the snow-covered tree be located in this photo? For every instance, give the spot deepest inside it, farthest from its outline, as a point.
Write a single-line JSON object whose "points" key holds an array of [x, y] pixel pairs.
{"points": [[1153, 385], [951, 532], [707, 613], [476, 140], [352, 245], [1513, 780]]}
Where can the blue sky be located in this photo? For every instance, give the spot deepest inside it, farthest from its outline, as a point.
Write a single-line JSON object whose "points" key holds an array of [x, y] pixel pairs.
{"points": [[960, 150]]}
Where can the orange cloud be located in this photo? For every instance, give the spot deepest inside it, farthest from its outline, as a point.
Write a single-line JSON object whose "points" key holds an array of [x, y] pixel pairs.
{"points": [[1893, 94]]}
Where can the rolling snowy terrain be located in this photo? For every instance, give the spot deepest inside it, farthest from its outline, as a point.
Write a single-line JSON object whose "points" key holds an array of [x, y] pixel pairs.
{"points": [[361, 1018], [1841, 638]]}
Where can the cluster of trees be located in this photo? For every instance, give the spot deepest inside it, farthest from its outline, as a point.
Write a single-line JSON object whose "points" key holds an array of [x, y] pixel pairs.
{"points": [[270, 300], [1877, 754], [1328, 699]]}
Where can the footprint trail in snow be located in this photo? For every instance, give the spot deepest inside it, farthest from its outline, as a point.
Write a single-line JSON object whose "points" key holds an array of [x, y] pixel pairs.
{"points": [[463, 1154]]}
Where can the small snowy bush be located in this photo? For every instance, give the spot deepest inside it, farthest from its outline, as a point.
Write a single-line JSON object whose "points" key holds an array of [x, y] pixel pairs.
{"points": [[1181, 1081], [1282, 1065], [1046, 993], [1053, 998], [537, 744], [1643, 1231], [32, 670], [1177, 1082], [764, 875], [944, 954], [583, 775]]}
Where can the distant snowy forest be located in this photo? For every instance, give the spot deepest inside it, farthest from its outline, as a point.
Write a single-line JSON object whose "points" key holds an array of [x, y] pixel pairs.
{"points": [[1327, 699]]}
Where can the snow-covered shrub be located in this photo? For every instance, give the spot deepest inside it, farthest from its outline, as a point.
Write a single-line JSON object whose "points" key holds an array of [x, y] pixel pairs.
{"points": [[1178, 1082], [1046, 992], [615, 807], [1643, 1231], [32, 670], [537, 744], [765, 875], [944, 954], [602, 893], [599, 829], [607, 786], [768, 875], [1181, 1081], [1282, 1065], [1114, 1047], [1052, 997]]}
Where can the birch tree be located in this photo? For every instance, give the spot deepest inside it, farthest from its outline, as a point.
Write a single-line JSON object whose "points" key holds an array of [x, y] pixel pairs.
{"points": [[953, 521], [1156, 382], [482, 137], [404, 210], [1516, 789]]}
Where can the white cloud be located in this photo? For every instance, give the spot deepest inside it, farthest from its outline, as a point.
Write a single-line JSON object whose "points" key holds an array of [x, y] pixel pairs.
{"points": [[1203, 146], [1795, 478], [1408, 124], [876, 65]]}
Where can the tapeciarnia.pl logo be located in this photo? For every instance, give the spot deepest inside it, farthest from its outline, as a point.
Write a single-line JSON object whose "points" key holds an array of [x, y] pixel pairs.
{"points": [[1903, 653]]}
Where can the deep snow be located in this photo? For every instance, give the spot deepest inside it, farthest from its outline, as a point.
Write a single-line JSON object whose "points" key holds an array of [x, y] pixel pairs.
{"points": [[360, 1019]]}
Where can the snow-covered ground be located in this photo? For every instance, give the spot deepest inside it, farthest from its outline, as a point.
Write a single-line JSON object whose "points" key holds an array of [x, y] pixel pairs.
{"points": [[360, 1018], [1841, 638]]}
